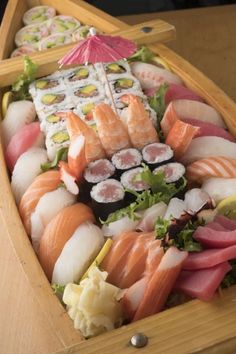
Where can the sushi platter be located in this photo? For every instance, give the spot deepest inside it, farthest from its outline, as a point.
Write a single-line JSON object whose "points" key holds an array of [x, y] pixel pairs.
{"points": [[101, 164]]}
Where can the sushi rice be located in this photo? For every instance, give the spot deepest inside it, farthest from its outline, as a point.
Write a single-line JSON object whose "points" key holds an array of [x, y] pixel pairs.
{"points": [[57, 137]]}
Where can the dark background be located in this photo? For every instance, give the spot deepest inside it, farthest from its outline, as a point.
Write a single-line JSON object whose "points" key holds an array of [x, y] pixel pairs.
{"points": [[127, 7]]}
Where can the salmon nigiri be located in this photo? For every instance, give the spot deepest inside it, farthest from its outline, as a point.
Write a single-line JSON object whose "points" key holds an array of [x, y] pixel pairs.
{"points": [[111, 130], [59, 231], [93, 147], [180, 137], [201, 170], [161, 283], [46, 182], [140, 127]]}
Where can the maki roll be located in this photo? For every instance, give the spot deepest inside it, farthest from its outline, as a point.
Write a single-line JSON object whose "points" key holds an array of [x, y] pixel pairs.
{"points": [[79, 74], [56, 139], [23, 50], [98, 171], [38, 14], [54, 40], [88, 92], [156, 154], [173, 171], [52, 119], [81, 33], [107, 196], [128, 180], [31, 35], [125, 83], [113, 70], [63, 24], [126, 159]]}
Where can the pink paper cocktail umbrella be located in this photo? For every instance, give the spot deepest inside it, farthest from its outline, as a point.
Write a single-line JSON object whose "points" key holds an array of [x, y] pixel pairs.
{"points": [[99, 48]]}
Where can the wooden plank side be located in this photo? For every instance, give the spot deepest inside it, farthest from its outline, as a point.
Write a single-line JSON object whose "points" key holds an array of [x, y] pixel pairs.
{"points": [[11, 23], [184, 329]]}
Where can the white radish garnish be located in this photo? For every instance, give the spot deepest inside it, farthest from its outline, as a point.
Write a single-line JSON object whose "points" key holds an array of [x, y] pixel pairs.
{"points": [[150, 75], [78, 252], [220, 188], [209, 146], [27, 167], [48, 207], [18, 114]]}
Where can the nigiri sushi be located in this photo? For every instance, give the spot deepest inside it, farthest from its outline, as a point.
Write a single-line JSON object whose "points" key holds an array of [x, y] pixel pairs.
{"points": [[150, 75], [26, 137], [209, 146], [201, 170], [220, 188], [18, 114], [27, 167]]}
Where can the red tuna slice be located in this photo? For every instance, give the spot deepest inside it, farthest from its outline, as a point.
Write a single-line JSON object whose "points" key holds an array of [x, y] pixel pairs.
{"points": [[215, 239], [209, 129], [209, 258], [25, 138], [203, 283], [216, 226], [225, 222], [177, 92]]}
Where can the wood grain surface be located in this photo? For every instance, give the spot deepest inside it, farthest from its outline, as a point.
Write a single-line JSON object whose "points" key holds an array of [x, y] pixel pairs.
{"points": [[206, 38], [33, 320]]}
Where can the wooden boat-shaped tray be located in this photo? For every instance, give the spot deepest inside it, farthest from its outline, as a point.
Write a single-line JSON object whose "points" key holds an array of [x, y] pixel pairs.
{"points": [[32, 318]]}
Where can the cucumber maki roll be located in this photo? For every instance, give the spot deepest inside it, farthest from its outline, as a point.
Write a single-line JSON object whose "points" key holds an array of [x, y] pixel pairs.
{"points": [[107, 196], [81, 33], [63, 24], [38, 14], [126, 159], [23, 50], [54, 40], [31, 35], [156, 154]]}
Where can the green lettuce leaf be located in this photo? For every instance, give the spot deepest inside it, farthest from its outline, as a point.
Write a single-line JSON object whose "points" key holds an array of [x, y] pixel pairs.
{"points": [[157, 102], [58, 291], [143, 54], [20, 87], [60, 155], [161, 227], [230, 277]]}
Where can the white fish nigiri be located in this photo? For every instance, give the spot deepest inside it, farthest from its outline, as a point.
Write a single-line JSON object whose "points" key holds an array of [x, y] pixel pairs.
{"points": [[77, 254], [48, 206], [209, 146], [115, 228], [27, 167], [150, 216], [18, 114], [219, 188], [151, 75]]}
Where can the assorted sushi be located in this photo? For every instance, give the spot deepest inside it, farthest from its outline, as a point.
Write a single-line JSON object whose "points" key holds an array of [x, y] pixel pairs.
{"points": [[128, 203]]}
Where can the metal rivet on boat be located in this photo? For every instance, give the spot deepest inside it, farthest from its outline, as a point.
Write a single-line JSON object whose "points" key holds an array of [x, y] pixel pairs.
{"points": [[146, 29], [139, 340]]}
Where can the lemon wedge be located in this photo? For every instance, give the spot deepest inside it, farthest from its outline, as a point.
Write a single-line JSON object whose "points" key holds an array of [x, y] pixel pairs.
{"points": [[161, 62], [6, 100], [101, 255], [227, 207]]}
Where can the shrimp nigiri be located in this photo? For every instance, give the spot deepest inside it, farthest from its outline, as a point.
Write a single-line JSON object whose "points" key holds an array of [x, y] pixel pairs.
{"points": [[93, 147], [140, 127], [111, 130]]}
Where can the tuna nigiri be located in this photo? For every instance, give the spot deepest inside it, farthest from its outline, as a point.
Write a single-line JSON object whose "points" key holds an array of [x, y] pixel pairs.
{"points": [[18, 114], [111, 130], [150, 75], [140, 128], [25, 138], [27, 167], [203, 169]]}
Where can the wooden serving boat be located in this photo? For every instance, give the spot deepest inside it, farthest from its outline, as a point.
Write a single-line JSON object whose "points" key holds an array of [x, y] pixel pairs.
{"points": [[32, 318]]}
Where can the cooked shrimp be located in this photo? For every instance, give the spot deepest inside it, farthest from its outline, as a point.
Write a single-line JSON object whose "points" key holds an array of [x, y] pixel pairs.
{"points": [[140, 128], [111, 129]]}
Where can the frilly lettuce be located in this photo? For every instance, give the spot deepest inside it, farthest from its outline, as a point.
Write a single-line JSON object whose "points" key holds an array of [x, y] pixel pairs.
{"points": [[20, 87], [93, 304]]}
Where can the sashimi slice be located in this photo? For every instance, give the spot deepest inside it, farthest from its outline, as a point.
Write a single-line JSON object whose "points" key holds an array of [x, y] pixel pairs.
{"points": [[44, 183], [177, 92], [180, 136], [216, 226], [169, 119], [209, 258], [68, 178], [161, 283], [59, 231], [203, 169], [197, 110], [202, 284], [25, 138], [76, 156], [215, 239], [219, 188], [117, 227], [209, 146], [150, 216], [209, 129], [225, 222], [150, 75]]}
